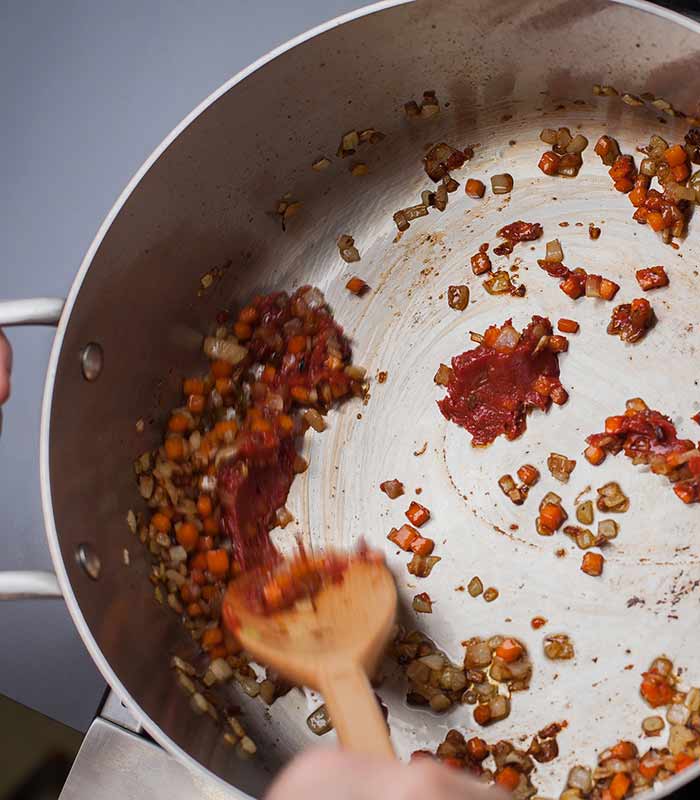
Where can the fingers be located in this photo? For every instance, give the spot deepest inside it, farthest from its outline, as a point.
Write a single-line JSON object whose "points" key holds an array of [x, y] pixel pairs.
{"points": [[346, 776], [5, 367]]}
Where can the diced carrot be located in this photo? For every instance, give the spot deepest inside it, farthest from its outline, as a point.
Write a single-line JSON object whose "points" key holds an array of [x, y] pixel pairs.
{"points": [[198, 562], [649, 768], [508, 778], [261, 426], [175, 448], [268, 374], [219, 651], [624, 185], [683, 761], [622, 169], [685, 492], [675, 155], [272, 592], [186, 593], [193, 386], [656, 690], [242, 331], [477, 749], [567, 325], [211, 637], [403, 536], [549, 162], [300, 394], [161, 522], [475, 188], [417, 514], [528, 474], [226, 429], [296, 344], [205, 543], [619, 785], [204, 505], [681, 172], [187, 535], [551, 516], [572, 287], [656, 221], [217, 563], [482, 714], [194, 610], [224, 386], [594, 455], [356, 286], [592, 564], [614, 424], [249, 314], [624, 750], [422, 546], [640, 215], [221, 369], [453, 763], [178, 423], [637, 196], [285, 423], [196, 403], [211, 526], [509, 650]]}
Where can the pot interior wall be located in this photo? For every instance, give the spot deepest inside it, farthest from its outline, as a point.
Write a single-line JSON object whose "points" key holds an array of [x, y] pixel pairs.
{"points": [[502, 72]]}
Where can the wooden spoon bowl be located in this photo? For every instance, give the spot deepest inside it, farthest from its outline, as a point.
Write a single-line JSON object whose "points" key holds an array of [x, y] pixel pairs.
{"points": [[331, 645]]}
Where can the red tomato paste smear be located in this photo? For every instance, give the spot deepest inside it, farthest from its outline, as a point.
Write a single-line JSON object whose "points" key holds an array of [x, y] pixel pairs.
{"points": [[492, 387], [297, 360], [649, 437], [517, 232]]}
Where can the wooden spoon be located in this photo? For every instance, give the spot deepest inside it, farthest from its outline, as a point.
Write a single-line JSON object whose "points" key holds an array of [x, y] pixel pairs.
{"points": [[331, 645]]}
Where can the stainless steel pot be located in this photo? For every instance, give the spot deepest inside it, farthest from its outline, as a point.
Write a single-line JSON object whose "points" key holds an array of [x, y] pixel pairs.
{"points": [[503, 71]]}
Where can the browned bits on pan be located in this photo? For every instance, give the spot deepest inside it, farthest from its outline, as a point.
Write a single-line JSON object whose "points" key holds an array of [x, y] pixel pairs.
{"points": [[593, 231], [651, 278], [537, 622], [631, 321], [458, 297], [382, 375]]}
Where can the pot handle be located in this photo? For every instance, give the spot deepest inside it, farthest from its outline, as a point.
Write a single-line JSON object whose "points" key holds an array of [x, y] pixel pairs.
{"points": [[35, 311], [16, 585], [35, 585]]}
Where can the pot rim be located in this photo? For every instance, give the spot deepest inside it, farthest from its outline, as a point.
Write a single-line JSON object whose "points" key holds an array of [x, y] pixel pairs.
{"points": [[93, 648]]}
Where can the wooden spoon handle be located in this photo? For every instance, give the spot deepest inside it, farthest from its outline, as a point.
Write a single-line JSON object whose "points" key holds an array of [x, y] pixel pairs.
{"points": [[355, 712]]}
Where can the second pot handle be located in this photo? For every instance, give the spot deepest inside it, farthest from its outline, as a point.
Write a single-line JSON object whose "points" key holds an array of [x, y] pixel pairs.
{"points": [[19, 584], [35, 311], [23, 585]]}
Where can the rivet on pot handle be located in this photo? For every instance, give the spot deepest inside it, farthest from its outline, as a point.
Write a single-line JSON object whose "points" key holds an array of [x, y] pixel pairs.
{"points": [[34, 311], [20, 585]]}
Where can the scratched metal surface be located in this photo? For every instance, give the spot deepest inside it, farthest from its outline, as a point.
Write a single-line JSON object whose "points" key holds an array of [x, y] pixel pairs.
{"points": [[205, 202]]}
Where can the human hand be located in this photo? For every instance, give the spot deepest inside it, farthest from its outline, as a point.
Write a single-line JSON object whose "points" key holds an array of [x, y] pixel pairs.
{"points": [[348, 776], [5, 367]]}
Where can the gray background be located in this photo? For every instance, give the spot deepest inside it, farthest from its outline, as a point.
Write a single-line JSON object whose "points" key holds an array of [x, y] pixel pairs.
{"points": [[87, 90]]}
